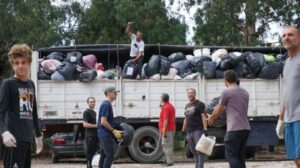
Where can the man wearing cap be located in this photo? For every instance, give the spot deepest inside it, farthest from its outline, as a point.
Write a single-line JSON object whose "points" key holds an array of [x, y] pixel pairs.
{"points": [[106, 132], [167, 128]]}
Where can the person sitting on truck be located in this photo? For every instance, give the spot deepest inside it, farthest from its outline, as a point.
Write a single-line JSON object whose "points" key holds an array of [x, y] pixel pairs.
{"points": [[167, 128], [18, 111], [288, 126], [137, 47], [195, 124], [91, 135], [236, 100], [106, 131]]}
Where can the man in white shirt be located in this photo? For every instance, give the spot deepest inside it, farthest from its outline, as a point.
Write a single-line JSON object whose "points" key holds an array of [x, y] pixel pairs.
{"points": [[137, 47]]}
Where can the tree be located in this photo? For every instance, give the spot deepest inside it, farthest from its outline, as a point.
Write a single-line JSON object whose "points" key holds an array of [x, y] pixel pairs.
{"points": [[106, 21], [35, 22], [242, 22]]}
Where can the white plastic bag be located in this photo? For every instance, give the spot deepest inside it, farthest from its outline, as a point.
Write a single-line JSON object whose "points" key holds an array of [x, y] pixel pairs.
{"points": [[202, 52], [95, 161], [206, 144]]}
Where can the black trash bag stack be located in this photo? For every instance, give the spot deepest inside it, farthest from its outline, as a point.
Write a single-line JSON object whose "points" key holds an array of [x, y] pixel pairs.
{"points": [[74, 57], [219, 74], [199, 63], [220, 121], [209, 69], [42, 75], [165, 65], [87, 76], [153, 66], [225, 64], [235, 59], [68, 71], [255, 61], [56, 76], [239, 69], [280, 59], [183, 67], [130, 70], [270, 71], [175, 57], [57, 56]]}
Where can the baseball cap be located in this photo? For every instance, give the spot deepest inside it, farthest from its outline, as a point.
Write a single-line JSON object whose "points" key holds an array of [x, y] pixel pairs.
{"points": [[110, 89]]}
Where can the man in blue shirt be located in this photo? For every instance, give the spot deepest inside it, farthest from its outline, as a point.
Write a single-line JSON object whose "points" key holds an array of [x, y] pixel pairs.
{"points": [[106, 132]]}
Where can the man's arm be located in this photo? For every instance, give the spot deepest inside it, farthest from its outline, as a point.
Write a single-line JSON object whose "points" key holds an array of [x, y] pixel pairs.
{"points": [[89, 125], [164, 130], [184, 126], [137, 57], [4, 101], [217, 112], [282, 111], [128, 29], [203, 116], [106, 124]]}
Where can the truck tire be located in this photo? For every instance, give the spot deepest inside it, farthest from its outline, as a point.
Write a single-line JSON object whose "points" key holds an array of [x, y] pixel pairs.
{"points": [[145, 146]]}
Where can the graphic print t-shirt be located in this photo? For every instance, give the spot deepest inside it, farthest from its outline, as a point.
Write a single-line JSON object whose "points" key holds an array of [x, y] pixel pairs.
{"points": [[18, 111]]}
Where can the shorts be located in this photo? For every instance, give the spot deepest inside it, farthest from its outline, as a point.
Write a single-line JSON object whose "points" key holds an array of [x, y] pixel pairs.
{"points": [[292, 139]]}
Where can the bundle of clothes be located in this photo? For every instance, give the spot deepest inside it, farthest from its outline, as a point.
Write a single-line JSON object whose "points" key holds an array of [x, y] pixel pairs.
{"points": [[72, 66]]}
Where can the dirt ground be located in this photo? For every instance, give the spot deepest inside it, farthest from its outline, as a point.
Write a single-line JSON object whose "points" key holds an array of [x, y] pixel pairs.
{"points": [[210, 164]]}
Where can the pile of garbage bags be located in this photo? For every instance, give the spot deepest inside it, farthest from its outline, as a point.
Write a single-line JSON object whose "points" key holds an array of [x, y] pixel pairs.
{"points": [[213, 65], [72, 66], [221, 120]]}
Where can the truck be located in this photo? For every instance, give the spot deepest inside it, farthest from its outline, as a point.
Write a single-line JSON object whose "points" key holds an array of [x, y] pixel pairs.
{"points": [[61, 104]]}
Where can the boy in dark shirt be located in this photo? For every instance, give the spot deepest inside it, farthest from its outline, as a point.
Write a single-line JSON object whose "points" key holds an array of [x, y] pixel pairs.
{"points": [[91, 135], [18, 111]]}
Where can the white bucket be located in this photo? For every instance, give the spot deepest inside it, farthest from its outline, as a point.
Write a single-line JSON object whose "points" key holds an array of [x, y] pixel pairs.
{"points": [[206, 144]]}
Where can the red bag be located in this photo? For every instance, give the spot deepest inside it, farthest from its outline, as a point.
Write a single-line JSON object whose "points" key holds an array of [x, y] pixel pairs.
{"points": [[99, 66]]}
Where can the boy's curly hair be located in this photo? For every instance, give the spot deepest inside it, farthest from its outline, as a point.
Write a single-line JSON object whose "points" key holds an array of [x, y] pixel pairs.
{"points": [[19, 50]]}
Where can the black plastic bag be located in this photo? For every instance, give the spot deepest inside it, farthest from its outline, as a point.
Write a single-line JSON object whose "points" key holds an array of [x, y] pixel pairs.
{"points": [[130, 70], [199, 63], [42, 75], [221, 120], [57, 56], [235, 60], [74, 57], [153, 66], [270, 71], [239, 69], [56, 76], [68, 71], [183, 67], [87, 76], [209, 69], [175, 57], [219, 74], [255, 61], [226, 64], [165, 65]]}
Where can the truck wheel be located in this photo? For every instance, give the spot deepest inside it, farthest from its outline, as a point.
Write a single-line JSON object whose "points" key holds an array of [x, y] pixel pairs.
{"points": [[188, 152], [145, 146], [54, 158]]}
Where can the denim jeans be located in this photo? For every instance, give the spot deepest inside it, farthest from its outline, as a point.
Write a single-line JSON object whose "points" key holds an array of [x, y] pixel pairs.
{"points": [[235, 148], [107, 152], [140, 64], [199, 157]]}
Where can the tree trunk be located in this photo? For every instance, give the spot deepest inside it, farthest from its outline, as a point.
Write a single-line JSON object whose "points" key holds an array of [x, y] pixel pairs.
{"points": [[250, 21]]}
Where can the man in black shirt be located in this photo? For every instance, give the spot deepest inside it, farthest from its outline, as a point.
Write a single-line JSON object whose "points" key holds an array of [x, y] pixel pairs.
{"points": [[18, 111], [195, 124], [91, 135]]}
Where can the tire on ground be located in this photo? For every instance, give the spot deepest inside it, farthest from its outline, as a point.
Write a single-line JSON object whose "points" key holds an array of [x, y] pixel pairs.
{"points": [[145, 146]]}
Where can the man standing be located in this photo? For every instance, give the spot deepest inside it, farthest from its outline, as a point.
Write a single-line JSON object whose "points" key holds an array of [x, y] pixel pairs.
{"points": [[137, 47], [106, 132], [290, 111], [18, 111], [91, 135], [236, 100], [167, 128], [196, 125]]}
